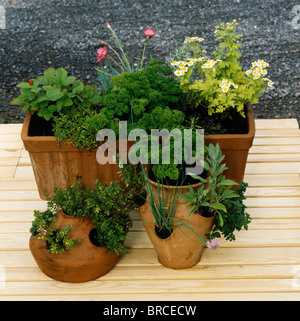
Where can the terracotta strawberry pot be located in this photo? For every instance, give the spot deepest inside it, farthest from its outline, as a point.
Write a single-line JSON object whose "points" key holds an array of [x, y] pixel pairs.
{"points": [[182, 249], [58, 166], [235, 148], [84, 262]]}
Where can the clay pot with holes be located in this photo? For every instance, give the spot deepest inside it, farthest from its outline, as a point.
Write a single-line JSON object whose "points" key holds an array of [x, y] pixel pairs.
{"points": [[180, 248], [84, 262]]}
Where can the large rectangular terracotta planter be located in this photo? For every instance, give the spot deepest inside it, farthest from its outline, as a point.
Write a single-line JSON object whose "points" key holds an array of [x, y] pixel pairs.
{"points": [[235, 147], [58, 166]]}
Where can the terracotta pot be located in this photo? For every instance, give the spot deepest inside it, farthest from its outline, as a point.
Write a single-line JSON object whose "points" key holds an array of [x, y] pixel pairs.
{"points": [[182, 249], [235, 147], [84, 262], [58, 166]]}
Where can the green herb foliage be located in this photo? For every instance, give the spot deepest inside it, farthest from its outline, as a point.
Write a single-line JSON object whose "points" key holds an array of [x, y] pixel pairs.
{"points": [[57, 240], [55, 93]]}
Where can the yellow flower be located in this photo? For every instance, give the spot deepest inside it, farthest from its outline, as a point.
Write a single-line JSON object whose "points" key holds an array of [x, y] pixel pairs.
{"points": [[248, 72], [175, 63]]}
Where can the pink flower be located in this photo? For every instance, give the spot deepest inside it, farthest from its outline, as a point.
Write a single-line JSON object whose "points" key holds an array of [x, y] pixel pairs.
{"points": [[103, 42], [101, 53], [213, 244], [149, 32], [108, 25]]}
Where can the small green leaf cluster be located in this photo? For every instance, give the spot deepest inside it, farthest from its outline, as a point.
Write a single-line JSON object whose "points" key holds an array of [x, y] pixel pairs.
{"points": [[234, 219], [55, 93], [57, 240], [217, 197], [215, 188]]}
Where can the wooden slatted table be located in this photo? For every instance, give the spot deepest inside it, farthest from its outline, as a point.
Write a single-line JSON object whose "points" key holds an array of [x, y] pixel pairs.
{"points": [[262, 264]]}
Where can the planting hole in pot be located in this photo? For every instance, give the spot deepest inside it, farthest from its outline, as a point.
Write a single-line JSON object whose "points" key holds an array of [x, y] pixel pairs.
{"points": [[163, 233], [140, 199], [205, 212], [93, 237]]}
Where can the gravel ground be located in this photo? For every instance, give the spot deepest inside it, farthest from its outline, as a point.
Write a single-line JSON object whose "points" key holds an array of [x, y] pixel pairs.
{"points": [[50, 33]]}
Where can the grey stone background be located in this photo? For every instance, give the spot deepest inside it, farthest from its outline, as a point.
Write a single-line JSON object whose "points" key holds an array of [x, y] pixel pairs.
{"points": [[52, 33]]}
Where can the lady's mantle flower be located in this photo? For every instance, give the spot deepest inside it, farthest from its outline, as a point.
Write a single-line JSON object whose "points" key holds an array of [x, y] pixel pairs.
{"points": [[101, 53], [149, 32], [213, 244]]}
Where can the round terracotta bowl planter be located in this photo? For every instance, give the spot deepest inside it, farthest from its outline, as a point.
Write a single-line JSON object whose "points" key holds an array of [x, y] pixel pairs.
{"points": [[84, 262], [235, 148], [182, 249]]}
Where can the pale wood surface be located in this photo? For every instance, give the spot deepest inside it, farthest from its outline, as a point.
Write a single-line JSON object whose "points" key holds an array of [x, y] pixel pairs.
{"points": [[262, 264]]}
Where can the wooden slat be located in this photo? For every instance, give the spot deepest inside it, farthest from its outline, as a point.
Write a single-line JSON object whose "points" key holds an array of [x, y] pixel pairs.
{"points": [[290, 132], [269, 192], [276, 124], [276, 149], [267, 158], [159, 272], [10, 128], [148, 286], [277, 141], [273, 168], [11, 145], [10, 137], [19, 195], [274, 212], [17, 184], [7, 171], [272, 180], [24, 172], [147, 257]]}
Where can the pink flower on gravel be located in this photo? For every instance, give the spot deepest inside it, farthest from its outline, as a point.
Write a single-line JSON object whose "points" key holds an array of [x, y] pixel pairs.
{"points": [[108, 25], [101, 53], [213, 244], [149, 32]]}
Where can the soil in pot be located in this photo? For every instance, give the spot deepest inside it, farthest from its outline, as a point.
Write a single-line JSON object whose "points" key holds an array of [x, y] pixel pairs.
{"points": [[40, 127], [228, 122]]}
